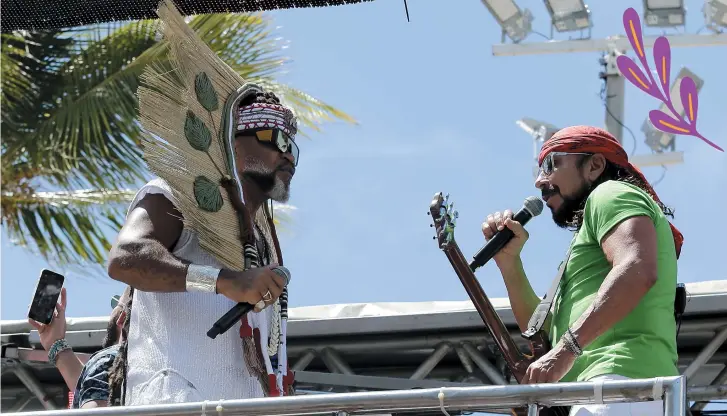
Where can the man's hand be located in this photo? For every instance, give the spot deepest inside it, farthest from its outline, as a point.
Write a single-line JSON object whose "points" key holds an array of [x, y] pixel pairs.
{"points": [[551, 367], [251, 286], [56, 329], [497, 222]]}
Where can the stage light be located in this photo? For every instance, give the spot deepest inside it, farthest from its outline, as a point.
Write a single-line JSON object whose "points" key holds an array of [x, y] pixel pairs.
{"points": [[515, 23], [664, 13], [540, 130], [715, 14], [569, 15], [657, 140]]}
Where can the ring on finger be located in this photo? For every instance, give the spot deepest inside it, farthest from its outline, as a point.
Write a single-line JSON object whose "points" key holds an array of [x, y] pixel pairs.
{"points": [[268, 297]]}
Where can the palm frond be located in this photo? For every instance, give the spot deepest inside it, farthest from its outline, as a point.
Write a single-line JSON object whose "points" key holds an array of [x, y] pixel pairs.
{"points": [[64, 226], [69, 122]]}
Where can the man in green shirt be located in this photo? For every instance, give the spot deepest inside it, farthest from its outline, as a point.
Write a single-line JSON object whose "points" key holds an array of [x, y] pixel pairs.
{"points": [[614, 315]]}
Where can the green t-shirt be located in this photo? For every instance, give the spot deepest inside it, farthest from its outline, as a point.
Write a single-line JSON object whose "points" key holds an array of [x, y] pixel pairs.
{"points": [[643, 344]]}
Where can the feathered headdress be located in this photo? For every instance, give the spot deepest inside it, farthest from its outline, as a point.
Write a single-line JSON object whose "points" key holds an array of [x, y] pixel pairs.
{"points": [[189, 105]]}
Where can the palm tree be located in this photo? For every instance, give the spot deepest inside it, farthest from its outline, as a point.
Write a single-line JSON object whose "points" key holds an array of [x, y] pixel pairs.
{"points": [[70, 138]]}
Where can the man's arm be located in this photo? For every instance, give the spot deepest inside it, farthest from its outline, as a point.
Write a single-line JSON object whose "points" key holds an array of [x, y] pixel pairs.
{"points": [[523, 299], [69, 366], [630, 248], [141, 255]]}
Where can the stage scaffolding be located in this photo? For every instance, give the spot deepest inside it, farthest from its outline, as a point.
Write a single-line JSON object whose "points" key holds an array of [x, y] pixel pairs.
{"points": [[381, 347]]}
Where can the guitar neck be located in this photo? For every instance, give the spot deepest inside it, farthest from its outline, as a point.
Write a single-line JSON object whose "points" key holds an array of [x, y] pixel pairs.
{"points": [[515, 359]]}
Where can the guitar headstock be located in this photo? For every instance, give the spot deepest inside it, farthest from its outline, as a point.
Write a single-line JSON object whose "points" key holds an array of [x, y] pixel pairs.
{"points": [[444, 217]]}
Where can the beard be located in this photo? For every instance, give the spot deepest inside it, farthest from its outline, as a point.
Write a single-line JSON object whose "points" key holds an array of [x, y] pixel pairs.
{"points": [[565, 215], [267, 180]]}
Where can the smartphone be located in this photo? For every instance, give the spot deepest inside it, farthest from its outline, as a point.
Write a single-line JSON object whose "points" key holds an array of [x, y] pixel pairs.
{"points": [[46, 295]]}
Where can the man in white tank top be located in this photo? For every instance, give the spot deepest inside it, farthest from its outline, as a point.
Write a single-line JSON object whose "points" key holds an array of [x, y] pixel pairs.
{"points": [[200, 238]]}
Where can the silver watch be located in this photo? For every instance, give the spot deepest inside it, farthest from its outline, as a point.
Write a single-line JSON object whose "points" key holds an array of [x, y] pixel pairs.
{"points": [[202, 278]]}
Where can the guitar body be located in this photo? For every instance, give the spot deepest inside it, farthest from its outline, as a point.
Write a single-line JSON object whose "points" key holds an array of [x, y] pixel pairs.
{"points": [[444, 222]]}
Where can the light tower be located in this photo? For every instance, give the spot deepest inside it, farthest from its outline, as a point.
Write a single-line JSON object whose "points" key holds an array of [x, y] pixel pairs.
{"points": [[575, 16]]}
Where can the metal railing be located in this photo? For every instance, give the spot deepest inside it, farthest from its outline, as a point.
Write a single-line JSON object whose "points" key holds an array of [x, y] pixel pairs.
{"points": [[672, 390]]}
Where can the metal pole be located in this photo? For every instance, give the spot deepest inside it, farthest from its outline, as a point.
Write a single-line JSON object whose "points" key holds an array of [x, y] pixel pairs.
{"points": [[718, 381], [597, 45], [532, 409], [304, 361], [707, 393], [706, 353], [467, 398], [675, 397], [27, 378], [334, 362], [428, 365], [615, 89], [484, 365], [465, 359]]}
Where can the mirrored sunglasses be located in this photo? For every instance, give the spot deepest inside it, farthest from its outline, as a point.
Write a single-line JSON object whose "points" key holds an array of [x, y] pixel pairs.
{"points": [[280, 140], [548, 165]]}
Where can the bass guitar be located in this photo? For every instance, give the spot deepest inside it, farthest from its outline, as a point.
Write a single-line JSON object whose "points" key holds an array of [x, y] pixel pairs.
{"points": [[444, 218]]}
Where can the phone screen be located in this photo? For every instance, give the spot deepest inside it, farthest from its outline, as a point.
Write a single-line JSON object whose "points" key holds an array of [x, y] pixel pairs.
{"points": [[46, 296]]}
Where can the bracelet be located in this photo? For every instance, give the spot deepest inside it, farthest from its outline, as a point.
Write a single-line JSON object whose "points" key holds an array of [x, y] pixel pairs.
{"points": [[55, 349], [202, 278], [571, 343]]}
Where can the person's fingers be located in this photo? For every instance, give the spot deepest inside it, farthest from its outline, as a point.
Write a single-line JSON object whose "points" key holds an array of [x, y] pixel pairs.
{"points": [[507, 214], [63, 298], [487, 231], [527, 376], [61, 310], [278, 280], [35, 324], [517, 229], [498, 221], [271, 292]]}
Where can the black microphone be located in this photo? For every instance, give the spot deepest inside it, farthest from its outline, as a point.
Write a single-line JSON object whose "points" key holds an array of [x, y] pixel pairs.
{"points": [[239, 310], [532, 207]]}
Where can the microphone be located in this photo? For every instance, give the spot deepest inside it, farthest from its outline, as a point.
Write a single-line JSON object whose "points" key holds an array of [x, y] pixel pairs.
{"points": [[238, 311], [532, 207]]}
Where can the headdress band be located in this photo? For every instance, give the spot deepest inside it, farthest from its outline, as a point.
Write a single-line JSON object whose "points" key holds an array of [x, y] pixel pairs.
{"points": [[264, 115]]}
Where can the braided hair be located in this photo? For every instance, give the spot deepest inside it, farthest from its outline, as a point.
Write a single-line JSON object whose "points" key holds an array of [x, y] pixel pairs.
{"points": [[260, 98], [616, 173], [117, 373]]}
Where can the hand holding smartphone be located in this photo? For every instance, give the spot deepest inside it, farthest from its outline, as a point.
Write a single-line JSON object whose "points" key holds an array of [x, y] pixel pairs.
{"points": [[46, 314], [42, 308]]}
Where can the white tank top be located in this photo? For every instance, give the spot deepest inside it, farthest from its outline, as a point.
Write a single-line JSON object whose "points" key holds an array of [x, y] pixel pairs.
{"points": [[171, 359]]}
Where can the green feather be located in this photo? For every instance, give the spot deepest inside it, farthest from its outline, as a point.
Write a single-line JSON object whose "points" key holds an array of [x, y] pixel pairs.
{"points": [[206, 94], [207, 194], [197, 133]]}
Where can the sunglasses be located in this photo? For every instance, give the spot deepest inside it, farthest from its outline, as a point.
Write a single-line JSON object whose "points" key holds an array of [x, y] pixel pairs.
{"points": [[548, 165], [278, 139]]}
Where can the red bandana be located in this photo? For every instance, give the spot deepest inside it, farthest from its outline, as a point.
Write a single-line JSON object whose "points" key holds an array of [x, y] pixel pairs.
{"points": [[588, 139]]}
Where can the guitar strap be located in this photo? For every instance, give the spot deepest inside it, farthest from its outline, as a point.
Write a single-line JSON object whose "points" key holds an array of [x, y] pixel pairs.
{"points": [[537, 320]]}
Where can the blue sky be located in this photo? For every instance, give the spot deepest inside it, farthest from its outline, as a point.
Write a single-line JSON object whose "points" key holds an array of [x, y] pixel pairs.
{"points": [[437, 112]]}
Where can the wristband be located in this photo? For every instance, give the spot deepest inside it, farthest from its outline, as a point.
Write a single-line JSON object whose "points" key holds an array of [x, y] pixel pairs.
{"points": [[55, 349], [571, 343], [202, 278]]}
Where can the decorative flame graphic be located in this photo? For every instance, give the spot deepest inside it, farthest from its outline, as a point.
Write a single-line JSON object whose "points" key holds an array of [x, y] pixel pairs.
{"points": [[645, 81]]}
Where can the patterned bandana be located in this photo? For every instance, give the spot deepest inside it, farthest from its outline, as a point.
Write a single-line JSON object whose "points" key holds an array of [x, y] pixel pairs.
{"points": [[589, 139], [263, 115]]}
